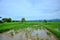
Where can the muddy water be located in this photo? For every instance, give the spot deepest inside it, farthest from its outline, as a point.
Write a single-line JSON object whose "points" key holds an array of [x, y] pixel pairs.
{"points": [[40, 33], [27, 34]]}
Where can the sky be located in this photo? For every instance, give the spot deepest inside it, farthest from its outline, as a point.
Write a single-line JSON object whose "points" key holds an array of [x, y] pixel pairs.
{"points": [[30, 9]]}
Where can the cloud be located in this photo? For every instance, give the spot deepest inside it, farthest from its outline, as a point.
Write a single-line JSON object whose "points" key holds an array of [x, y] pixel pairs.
{"points": [[33, 9]]}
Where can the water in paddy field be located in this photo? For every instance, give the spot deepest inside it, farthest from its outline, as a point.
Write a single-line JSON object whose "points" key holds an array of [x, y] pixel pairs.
{"points": [[28, 34]]}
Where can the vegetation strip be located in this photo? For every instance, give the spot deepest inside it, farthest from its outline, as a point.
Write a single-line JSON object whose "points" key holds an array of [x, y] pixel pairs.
{"points": [[54, 32]]}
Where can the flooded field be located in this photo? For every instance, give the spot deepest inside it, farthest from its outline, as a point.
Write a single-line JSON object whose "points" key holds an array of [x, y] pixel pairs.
{"points": [[28, 34]]}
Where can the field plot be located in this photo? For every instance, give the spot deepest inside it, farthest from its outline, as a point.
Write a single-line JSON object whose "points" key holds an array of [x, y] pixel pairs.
{"points": [[30, 31]]}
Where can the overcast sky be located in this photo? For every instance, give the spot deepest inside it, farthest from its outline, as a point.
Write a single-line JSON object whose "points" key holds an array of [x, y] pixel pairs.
{"points": [[30, 9]]}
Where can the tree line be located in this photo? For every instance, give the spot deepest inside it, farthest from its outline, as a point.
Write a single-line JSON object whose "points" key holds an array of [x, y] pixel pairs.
{"points": [[10, 20]]}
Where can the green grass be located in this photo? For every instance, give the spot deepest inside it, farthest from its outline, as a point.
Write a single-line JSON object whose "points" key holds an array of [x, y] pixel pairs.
{"points": [[51, 26]]}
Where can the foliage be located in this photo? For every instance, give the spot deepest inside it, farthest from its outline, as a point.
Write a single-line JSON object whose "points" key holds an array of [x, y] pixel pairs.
{"points": [[6, 19], [45, 21], [23, 20], [1, 21], [15, 20]]}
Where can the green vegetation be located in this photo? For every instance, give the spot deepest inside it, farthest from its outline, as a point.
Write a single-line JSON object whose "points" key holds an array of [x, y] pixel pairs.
{"points": [[45, 21], [51, 26], [54, 27], [6, 19], [23, 20]]}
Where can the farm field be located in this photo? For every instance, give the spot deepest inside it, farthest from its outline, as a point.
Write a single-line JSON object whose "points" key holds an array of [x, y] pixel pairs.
{"points": [[29, 20], [49, 28]]}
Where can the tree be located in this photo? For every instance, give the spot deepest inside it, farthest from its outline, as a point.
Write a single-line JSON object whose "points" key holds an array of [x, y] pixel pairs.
{"points": [[9, 19], [6, 19], [23, 20], [45, 21], [1, 20]]}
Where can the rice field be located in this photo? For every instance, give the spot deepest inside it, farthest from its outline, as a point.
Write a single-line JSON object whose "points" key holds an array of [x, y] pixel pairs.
{"points": [[30, 31]]}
